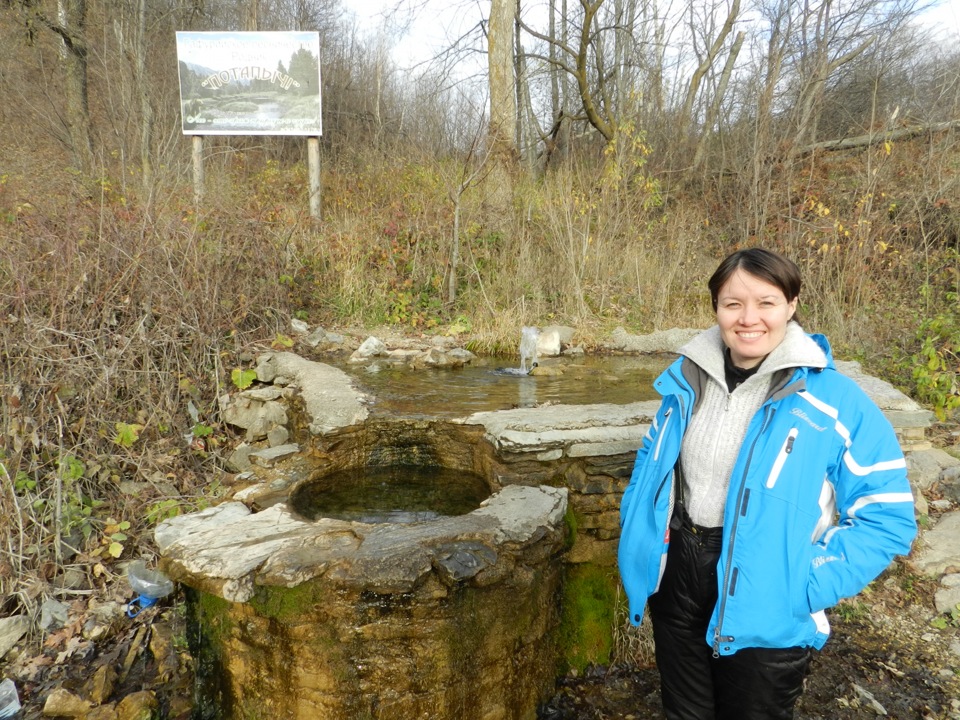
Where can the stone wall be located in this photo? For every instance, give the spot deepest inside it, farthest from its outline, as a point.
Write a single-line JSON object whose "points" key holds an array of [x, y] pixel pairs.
{"points": [[403, 651]]}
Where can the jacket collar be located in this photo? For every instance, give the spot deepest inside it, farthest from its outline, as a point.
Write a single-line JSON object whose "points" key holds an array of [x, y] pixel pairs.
{"points": [[798, 349]]}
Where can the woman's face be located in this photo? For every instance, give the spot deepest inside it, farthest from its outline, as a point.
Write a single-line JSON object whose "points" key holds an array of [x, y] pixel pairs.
{"points": [[753, 317]]}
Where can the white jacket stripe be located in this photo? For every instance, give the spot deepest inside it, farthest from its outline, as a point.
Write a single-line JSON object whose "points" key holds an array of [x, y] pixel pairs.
{"points": [[861, 470], [852, 465], [862, 502]]}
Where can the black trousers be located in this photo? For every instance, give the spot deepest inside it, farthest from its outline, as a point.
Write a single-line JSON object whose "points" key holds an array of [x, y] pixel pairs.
{"points": [[752, 684]]}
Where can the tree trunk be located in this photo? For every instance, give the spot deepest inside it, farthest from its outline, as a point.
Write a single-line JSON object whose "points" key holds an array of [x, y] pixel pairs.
{"points": [[146, 108], [70, 26], [503, 106]]}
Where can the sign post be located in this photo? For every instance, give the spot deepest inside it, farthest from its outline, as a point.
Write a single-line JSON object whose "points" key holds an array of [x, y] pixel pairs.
{"points": [[251, 83], [313, 166], [198, 170]]}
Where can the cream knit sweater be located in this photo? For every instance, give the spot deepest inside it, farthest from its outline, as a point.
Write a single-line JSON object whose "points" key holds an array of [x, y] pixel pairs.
{"points": [[720, 420]]}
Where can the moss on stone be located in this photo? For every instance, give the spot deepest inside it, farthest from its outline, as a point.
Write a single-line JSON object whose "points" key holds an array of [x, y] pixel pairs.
{"points": [[213, 612], [587, 625], [572, 523], [287, 605]]}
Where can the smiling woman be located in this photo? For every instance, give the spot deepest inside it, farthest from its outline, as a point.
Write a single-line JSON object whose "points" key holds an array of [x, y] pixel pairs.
{"points": [[755, 296], [728, 526]]}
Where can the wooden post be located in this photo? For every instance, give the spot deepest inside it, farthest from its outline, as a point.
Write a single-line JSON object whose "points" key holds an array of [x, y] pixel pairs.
{"points": [[313, 162], [198, 169]]}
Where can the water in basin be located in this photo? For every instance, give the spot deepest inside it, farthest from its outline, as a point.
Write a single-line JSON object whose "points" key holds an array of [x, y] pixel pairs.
{"points": [[391, 494], [493, 384]]}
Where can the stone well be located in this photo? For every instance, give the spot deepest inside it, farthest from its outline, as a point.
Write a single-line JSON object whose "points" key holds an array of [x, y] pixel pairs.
{"points": [[472, 616], [453, 618]]}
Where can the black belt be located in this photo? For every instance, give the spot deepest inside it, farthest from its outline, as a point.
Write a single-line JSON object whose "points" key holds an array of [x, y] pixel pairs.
{"points": [[681, 520]]}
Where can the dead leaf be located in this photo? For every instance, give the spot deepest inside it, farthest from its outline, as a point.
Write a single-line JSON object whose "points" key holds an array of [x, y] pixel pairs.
{"points": [[73, 645]]}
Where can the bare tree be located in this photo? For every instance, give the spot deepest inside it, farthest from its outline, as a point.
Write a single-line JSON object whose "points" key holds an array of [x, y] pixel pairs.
{"points": [[503, 104], [69, 25]]}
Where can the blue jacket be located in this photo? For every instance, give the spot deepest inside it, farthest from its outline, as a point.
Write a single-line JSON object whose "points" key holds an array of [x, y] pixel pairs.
{"points": [[818, 446]]}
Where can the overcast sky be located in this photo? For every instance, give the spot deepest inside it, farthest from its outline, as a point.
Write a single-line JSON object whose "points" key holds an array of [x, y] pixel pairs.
{"points": [[434, 24]]}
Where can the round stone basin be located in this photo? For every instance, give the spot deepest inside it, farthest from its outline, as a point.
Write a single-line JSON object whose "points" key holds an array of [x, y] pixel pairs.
{"points": [[390, 494], [343, 618]]}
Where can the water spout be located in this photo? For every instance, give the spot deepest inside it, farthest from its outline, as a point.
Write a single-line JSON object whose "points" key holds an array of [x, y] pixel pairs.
{"points": [[528, 348]]}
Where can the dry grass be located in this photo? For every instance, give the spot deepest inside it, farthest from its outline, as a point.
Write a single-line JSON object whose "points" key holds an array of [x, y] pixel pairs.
{"points": [[119, 325]]}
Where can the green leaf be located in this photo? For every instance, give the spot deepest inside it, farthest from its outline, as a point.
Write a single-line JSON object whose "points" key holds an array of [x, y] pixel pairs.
{"points": [[71, 469], [115, 549], [282, 341], [127, 434], [243, 378]]}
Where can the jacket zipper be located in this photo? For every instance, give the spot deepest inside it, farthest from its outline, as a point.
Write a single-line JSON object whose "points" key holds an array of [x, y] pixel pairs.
{"points": [[661, 432], [782, 458], [727, 588]]}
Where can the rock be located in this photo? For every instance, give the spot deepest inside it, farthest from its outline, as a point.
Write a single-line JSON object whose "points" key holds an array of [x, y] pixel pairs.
{"points": [[939, 548], [941, 505], [950, 482], [269, 457], [61, 703], [102, 684], [369, 348], [947, 597], [546, 371], [386, 597], [920, 504], [905, 414], [53, 614], [541, 429], [103, 712], [668, 341], [103, 619], [463, 559], [329, 396], [263, 394], [137, 706], [927, 467], [867, 698], [462, 355], [163, 651], [11, 630], [73, 578], [564, 332], [266, 372], [298, 327], [548, 344], [239, 459], [316, 337], [278, 436], [281, 549], [437, 358]]}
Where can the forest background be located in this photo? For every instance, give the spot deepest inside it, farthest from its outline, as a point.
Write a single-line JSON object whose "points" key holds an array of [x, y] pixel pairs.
{"points": [[593, 174]]}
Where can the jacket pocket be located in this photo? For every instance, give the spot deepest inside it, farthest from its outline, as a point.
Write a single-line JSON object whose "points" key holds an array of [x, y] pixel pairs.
{"points": [[778, 464]]}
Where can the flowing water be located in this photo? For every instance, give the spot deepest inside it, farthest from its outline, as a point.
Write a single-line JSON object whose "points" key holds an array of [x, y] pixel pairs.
{"points": [[491, 384]]}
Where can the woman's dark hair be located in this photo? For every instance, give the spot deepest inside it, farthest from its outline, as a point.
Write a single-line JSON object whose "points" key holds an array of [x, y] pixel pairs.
{"points": [[764, 264]]}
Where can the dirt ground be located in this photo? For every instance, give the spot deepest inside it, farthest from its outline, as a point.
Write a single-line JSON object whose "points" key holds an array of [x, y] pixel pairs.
{"points": [[884, 659]]}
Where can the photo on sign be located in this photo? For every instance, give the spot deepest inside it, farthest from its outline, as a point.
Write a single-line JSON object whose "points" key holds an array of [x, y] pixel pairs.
{"points": [[249, 83]]}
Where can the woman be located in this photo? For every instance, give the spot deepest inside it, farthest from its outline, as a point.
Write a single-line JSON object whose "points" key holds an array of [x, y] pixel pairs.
{"points": [[729, 524]]}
